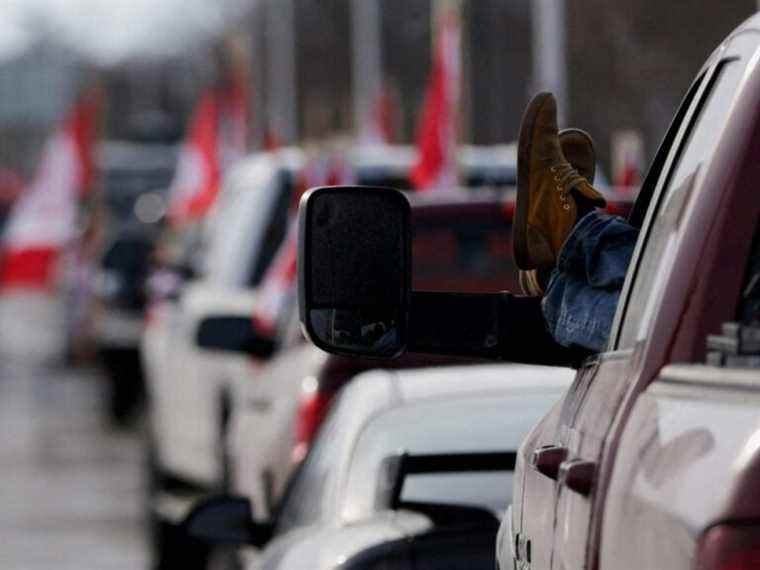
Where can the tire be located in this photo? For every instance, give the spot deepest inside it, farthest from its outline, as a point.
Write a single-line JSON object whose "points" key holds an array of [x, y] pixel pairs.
{"points": [[170, 548]]}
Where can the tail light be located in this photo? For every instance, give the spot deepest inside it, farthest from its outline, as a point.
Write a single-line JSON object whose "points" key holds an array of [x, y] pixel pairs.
{"points": [[733, 546], [312, 410]]}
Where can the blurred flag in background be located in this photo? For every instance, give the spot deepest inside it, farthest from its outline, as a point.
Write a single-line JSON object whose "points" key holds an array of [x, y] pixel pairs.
{"points": [[42, 222], [216, 138], [436, 166]]}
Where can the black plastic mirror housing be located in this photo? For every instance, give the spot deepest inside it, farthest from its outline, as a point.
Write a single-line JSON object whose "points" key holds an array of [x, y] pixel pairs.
{"points": [[355, 298], [233, 334]]}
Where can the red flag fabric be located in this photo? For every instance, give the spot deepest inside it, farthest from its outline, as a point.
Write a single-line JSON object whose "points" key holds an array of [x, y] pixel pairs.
{"points": [[196, 181], [42, 222], [216, 139], [436, 166]]}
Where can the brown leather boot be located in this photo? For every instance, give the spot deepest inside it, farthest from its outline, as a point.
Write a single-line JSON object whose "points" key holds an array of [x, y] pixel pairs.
{"points": [[578, 148], [547, 189]]}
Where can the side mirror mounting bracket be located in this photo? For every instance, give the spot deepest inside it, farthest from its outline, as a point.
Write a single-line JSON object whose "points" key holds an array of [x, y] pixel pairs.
{"points": [[494, 326]]}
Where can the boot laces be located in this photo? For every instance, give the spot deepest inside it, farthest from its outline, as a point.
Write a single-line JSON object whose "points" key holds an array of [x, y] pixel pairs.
{"points": [[566, 178]]}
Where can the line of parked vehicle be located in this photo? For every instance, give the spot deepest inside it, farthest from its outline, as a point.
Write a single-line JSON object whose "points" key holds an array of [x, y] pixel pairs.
{"points": [[233, 412], [237, 412], [643, 456]]}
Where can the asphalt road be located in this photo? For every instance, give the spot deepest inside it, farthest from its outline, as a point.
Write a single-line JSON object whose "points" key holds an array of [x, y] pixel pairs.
{"points": [[71, 492]]}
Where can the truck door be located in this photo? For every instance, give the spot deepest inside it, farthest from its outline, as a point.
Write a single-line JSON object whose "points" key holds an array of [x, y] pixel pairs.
{"points": [[557, 440], [693, 428], [613, 375]]}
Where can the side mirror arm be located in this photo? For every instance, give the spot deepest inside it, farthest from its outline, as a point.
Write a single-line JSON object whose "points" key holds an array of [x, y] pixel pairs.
{"points": [[495, 326]]}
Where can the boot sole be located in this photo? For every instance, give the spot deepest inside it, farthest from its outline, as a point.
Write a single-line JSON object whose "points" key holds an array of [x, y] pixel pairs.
{"points": [[523, 259]]}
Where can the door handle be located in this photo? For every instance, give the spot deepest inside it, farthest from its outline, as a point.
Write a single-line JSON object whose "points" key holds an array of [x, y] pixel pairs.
{"points": [[548, 459], [578, 475]]}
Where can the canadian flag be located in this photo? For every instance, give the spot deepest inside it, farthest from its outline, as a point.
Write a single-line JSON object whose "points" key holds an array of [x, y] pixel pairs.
{"points": [[42, 222], [216, 139], [436, 166], [278, 286]]}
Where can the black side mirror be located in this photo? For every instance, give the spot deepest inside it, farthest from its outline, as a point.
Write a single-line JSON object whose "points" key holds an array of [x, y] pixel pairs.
{"points": [[226, 520], [233, 334], [354, 269], [355, 298]]}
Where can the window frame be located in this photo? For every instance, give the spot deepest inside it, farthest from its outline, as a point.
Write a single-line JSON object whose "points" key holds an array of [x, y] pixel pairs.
{"points": [[657, 182]]}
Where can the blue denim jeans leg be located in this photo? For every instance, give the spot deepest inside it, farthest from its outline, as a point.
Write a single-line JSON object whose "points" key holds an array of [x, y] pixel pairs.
{"points": [[583, 291]]}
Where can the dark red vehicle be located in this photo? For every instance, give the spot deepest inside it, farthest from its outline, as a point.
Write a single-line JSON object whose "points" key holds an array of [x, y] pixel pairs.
{"points": [[652, 457], [649, 461]]}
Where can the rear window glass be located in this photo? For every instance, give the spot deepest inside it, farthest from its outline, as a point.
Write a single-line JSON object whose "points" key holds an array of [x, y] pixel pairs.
{"points": [[467, 249]]}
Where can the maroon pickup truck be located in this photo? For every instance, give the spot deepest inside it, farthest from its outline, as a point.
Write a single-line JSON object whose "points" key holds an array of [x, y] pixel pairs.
{"points": [[652, 458]]}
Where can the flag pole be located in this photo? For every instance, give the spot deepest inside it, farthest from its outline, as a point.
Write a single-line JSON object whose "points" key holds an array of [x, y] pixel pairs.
{"points": [[549, 47], [281, 50], [367, 62]]}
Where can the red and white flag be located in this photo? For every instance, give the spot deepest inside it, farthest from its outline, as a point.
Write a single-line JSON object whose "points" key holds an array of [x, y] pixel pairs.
{"points": [[216, 139], [42, 222], [436, 166]]}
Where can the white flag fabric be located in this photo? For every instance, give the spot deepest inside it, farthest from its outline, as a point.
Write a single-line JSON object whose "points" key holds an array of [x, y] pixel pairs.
{"points": [[42, 222]]}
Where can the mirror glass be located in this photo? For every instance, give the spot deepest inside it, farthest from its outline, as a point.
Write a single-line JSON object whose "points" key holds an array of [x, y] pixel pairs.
{"points": [[355, 269]]}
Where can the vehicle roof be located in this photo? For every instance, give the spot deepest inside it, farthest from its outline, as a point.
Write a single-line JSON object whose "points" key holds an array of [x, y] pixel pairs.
{"points": [[374, 393], [512, 379], [488, 421], [402, 157], [457, 198], [421, 411]]}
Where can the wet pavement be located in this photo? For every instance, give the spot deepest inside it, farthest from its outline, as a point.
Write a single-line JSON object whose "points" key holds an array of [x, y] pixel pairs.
{"points": [[71, 494]]}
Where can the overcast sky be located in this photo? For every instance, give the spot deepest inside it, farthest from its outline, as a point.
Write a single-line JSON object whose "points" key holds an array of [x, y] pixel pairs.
{"points": [[109, 31]]}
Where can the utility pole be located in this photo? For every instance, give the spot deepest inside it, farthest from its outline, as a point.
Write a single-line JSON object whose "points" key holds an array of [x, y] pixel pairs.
{"points": [[367, 63], [281, 69], [549, 47]]}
